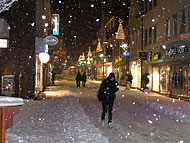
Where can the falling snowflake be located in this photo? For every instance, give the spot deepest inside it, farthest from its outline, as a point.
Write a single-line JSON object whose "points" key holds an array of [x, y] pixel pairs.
{"points": [[149, 121], [92, 5]]}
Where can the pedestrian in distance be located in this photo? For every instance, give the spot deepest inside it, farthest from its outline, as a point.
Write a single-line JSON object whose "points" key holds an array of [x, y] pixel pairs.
{"points": [[53, 78], [106, 95], [78, 79], [84, 77], [129, 80]]}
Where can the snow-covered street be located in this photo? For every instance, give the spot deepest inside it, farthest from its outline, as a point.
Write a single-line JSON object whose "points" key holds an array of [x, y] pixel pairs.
{"points": [[68, 114]]}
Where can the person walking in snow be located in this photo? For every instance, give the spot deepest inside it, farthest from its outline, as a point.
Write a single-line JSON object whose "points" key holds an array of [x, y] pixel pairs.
{"points": [[53, 78], [129, 80], [84, 77], [106, 95], [78, 79]]}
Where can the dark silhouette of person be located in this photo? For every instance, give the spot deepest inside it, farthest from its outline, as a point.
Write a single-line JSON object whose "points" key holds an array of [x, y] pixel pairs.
{"points": [[145, 81], [129, 78], [106, 95], [78, 79], [53, 78], [84, 77]]}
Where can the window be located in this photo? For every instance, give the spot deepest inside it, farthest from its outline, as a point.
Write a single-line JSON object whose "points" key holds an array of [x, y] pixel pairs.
{"points": [[145, 37], [146, 6], [150, 35], [168, 27], [150, 4], [155, 3], [182, 21], [189, 17], [138, 39], [174, 25], [155, 34]]}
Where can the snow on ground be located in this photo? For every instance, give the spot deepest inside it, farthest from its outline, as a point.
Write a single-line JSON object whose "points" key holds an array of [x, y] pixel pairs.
{"points": [[177, 109], [60, 120], [63, 120]]}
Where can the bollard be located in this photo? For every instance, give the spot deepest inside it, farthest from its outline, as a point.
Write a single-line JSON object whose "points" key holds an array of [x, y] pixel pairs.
{"points": [[9, 106]]}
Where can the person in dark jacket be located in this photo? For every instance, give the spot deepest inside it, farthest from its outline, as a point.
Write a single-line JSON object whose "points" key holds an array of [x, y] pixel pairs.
{"points": [[84, 77], [78, 79], [53, 78], [106, 95], [129, 80]]}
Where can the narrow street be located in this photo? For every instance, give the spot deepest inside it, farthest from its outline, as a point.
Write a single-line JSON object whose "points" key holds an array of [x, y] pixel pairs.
{"points": [[133, 120]]}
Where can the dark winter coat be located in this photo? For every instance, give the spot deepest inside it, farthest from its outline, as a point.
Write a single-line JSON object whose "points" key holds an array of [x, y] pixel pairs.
{"points": [[84, 77], [107, 90], [129, 78], [53, 76], [78, 77]]}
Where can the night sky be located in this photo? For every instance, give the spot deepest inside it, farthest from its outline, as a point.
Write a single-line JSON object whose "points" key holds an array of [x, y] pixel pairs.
{"points": [[81, 19]]}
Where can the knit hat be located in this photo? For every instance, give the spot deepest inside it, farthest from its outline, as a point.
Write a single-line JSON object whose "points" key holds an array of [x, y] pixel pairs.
{"points": [[111, 75]]}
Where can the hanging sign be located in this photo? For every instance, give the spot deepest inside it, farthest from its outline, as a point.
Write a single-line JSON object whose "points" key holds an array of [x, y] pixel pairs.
{"points": [[126, 53], [55, 21], [51, 40]]}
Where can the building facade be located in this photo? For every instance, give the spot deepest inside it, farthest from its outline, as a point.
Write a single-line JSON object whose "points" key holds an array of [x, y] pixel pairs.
{"points": [[166, 31], [19, 59], [135, 28]]}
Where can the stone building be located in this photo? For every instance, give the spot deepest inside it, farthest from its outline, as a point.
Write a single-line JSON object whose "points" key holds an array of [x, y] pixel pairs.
{"points": [[25, 24], [166, 42]]}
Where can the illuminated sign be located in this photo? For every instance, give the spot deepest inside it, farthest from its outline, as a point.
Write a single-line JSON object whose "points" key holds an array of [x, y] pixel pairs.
{"points": [[3, 43], [119, 59], [51, 40], [153, 56], [126, 53], [55, 21], [177, 50]]}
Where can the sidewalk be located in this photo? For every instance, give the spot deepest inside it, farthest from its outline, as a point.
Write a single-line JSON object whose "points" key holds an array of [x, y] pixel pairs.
{"points": [[177, 109]]}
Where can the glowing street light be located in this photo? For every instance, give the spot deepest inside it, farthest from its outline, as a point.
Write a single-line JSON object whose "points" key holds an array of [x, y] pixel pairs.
{"points": [[44, 57]]}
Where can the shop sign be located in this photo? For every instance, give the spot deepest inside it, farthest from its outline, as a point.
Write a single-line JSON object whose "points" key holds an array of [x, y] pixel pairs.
{"points": [[55, 21], [118, 59], [177, 50], [153, 56], [3, 43], [126, 53], [51, 40]]}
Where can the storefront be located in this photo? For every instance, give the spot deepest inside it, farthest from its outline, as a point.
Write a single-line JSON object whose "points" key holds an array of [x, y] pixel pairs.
{"points": [[136, 73], [39, 76], [181, 80], [164, 79], [160, 78]]}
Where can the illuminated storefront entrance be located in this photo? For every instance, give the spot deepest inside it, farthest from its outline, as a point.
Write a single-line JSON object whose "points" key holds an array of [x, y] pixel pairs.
{"points": [[160, 79], [155, 79], [136, 73]]}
